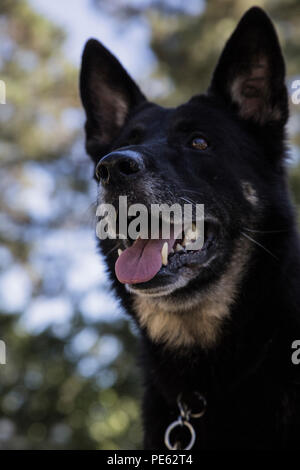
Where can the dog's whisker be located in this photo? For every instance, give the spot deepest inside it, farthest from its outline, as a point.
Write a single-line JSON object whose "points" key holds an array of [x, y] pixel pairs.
{"points": [[89, 214], [113, 249], [260, 245], [265, 231], [189, 201], [192, 191]]}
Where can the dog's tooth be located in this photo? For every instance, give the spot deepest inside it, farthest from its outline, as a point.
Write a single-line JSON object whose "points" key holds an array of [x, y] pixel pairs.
{"points": [[120, 251], [196, 231], [188, 234], [164, 254], [179, 247], [191, 234]]}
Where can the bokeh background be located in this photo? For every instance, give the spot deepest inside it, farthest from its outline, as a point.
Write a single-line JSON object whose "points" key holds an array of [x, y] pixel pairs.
{"points": [[71, 380]]}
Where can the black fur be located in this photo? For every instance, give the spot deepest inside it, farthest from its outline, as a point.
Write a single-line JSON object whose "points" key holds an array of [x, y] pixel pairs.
{"points": [[250, 383]]}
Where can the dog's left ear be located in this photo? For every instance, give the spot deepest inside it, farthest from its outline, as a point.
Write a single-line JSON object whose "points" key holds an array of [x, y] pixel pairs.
{"points": [[108, 95], [250, 73]]}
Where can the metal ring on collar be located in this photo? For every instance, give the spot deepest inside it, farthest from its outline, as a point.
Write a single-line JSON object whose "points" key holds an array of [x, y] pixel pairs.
{"points": [[175, 424], [185, 412]]}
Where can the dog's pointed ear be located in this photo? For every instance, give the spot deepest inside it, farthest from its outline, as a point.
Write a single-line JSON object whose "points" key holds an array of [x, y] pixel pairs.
{"points": [[251, 72], [108, 95]]}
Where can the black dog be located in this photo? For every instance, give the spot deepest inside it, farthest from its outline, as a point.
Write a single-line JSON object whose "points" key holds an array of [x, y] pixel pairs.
{"points": [[217, 325]]}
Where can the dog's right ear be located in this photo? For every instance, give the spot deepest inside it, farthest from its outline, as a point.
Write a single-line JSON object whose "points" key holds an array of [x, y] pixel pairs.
{"points": [[108, 95]]}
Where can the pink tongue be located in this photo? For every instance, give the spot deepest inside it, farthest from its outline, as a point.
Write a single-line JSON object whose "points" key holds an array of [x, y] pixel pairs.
{"points": [[141, 261]]}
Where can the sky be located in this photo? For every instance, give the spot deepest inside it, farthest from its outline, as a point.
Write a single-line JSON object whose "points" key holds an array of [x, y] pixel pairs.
{"points": [[82, 21]]}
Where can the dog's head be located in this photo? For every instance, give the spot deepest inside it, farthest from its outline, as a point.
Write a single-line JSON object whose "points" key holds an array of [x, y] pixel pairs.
{"points": [[223, 149]]}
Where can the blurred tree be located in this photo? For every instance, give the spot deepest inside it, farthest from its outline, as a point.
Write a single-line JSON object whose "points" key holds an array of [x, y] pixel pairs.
{"points": [[46, 403], [74, 384]]}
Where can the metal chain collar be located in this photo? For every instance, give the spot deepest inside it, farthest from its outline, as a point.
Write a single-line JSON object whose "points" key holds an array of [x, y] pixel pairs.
{"points": [[183, 420]]}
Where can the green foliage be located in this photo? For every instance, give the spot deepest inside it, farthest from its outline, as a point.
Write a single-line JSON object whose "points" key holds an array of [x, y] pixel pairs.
{"points": [[35, 71], [45, 401]]}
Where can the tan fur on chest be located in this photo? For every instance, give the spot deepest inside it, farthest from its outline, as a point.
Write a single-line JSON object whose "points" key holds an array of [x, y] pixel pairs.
{"points": [[197, 320]]}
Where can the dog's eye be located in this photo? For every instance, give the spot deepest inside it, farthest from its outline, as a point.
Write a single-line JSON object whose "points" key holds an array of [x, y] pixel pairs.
{"points": [[199, 143]]}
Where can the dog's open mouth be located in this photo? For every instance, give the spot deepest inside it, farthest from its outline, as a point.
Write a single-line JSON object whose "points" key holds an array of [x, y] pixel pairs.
{"points": [[144, 259]]}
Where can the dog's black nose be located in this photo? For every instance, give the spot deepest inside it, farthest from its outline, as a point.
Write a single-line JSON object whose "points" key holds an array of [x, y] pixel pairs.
{"points": [[118, 165]]}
